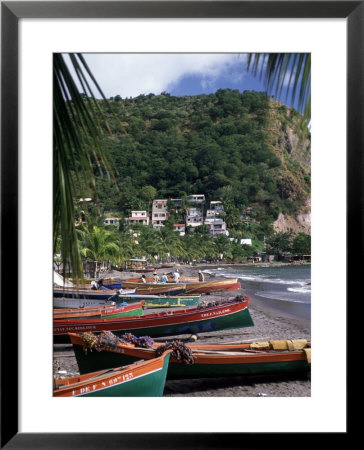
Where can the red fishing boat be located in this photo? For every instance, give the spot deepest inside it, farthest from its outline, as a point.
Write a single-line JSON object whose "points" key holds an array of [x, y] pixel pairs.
{"points": [[225, 315], [108, 311]]}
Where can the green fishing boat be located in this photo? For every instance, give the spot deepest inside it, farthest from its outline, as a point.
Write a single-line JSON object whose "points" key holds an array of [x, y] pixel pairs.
{"points": [[140, 379], [198, 360], [171, 302]]}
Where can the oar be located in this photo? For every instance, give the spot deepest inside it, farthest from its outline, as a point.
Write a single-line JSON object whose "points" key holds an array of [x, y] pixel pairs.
{"points": [[247, 341], [226, 353]]}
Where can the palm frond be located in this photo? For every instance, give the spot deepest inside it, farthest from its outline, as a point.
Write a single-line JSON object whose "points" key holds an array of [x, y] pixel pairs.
{"points": [[76, 144], [285, 72]]}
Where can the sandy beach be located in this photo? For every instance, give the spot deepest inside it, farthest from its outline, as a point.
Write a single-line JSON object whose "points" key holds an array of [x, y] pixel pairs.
{"points": [[269, 323]]}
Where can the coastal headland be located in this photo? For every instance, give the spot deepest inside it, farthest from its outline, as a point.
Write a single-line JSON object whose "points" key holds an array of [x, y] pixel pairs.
{"points": [[269, 323]]}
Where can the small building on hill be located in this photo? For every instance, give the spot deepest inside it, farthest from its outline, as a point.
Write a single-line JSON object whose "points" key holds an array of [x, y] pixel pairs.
{"points": [[181, 228], [196, 198], [112, 220], [217, 226], [159, 213], [139, 217], [216, 205], [194, 217]]}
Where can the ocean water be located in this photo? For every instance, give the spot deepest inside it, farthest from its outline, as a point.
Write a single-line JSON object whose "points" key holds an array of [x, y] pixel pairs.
{"points": [[284, 287]]}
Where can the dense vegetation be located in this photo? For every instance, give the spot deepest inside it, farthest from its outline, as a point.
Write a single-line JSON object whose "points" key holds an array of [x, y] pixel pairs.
{"points": [[241, 148], [230, 146]]}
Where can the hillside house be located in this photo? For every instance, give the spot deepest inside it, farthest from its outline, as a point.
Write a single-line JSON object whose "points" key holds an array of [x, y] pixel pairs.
{"points": [[140, 217], [196, 198], [211, 214], [112, 221], [216, 205], [246, 242], [159, 213], [217, 226], [194, 217], [181, 228]]}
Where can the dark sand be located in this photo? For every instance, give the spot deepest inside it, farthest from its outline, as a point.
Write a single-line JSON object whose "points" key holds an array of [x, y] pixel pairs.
{"points": [[269, 323]]}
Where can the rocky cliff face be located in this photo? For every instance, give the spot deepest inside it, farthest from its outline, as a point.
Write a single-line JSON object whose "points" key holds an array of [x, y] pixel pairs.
{"points": [[301, 223], [293, 146]]}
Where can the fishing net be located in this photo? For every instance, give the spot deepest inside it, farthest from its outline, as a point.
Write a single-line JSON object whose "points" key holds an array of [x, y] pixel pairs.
{"points": [[180, 351], [206, 304], [108, 339], [142, 341]]}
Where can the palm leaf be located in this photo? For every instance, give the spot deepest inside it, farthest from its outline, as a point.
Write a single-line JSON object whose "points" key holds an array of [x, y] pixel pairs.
{"points": [[289, 72], [76, 145]]}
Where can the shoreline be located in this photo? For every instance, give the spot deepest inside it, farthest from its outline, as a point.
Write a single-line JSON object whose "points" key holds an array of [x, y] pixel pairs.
{"points": [[269, 323]]}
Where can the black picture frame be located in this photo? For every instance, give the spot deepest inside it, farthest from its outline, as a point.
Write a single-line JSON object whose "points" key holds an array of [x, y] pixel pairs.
{"points": [[11, 13]]}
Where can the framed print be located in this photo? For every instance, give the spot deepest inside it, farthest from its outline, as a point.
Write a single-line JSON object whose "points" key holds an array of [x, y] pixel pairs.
{"points": [[31, 32]]}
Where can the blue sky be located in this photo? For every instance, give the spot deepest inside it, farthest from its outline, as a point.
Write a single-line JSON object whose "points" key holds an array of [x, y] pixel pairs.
{"points": [[130, 75]]}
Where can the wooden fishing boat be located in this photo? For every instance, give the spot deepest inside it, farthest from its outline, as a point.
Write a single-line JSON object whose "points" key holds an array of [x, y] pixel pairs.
{"points": [[108, 311], [140, 379], [137, 265], [164, 301], [112, 284], [212, 286], [70, 298], [157, 288], [173, 301], [67, 303], [193, 286], [108, 283], [206, 360], [95, 294], [231, 314]]}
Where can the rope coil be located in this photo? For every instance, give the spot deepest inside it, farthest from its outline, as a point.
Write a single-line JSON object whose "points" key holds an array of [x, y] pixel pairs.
{"points": [[180, 351]]}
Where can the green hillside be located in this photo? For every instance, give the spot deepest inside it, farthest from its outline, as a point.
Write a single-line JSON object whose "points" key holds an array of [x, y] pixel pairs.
{"points": [[241, 148]]}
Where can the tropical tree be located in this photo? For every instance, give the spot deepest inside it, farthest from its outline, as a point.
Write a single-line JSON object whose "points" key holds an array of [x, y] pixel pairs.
{"points": [[148, 193], [302, 244], [99, 245], [279, 242]]}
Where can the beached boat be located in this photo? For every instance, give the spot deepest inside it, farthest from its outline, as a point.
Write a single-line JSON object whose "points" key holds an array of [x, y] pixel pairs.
{"points": [[108, 311], [140, 379], [212, 286], [137, 265], [174, 301], [193, 286], [204, 360], [67, 303], [95, 294], [108, 283], [227, 315], [157, 288], [164, 301], [71, 298]]}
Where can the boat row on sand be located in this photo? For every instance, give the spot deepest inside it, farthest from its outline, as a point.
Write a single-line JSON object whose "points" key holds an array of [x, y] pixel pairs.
{"points": [[164, 294], [188, 287], [148, 367], [113, 340]]}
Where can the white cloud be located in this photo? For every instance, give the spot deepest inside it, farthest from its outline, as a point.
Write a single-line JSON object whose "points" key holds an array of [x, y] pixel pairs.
{"points": [[130, 75]]}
